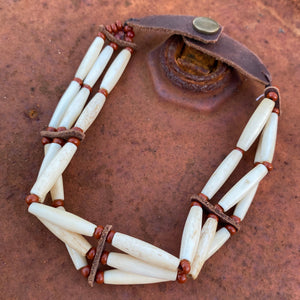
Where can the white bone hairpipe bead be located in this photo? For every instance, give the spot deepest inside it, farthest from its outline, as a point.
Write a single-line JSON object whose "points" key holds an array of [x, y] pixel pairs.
{"points": [[243, 206], [255, 124], [243, 186], [207, 235], [115, 70], [51, 173], [220, 238], [64, 219], [122, 277], [191, 234], [145, 251], [90, 112], [78, 260], [57, 190], [222, 173], [266, 146], [126, 262]]}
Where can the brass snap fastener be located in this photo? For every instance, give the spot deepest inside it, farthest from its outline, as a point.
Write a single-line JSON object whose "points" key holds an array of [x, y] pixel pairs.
{"points": [[205, 25]]}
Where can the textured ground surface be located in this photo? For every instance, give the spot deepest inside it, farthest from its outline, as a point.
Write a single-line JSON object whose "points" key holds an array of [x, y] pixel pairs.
{"points": [[143, 157]]}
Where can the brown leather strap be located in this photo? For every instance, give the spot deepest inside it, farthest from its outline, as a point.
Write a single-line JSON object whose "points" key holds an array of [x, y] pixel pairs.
{"points": [[65, 134]]}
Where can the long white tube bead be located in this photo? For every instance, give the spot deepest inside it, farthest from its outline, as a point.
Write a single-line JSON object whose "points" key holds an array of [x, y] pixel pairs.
{"points": [[221, 237], [90, 112], [78, 260], [64, 102], [243, 186], [255, 124], [222, 173], [72, 239], [122, 277], [75, 108], [63, 219], [266, 146], [50, 151], [191, 234], [89, 58], [145, 251], [126, 262], [51, 173], [99, 66], [207, 235], [115, 70], [243, 206], [57, 190]]}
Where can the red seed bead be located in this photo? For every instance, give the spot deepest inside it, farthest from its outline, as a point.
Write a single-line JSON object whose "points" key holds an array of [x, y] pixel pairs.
{"points": [[130, 34], [87, 87], [114, 27], [128, 39], [181, 277], [119, 25], [58, 202], [74, 141], [108, 28], [127, 28], [78, 80], [213, 216], [195, 203], [58, 141], [231, 229], [185, 266], [240, 149], [276, 110], [104, 92], [203, 196], [99, 277], [114, 46], [219, 208], [236, 219], [110, 236], [102, 35], [46, 140], [104, 257], [129, 49], [98, 232], [61, 128], [52, 129], [268, 165], [85, 271], [77, 129], [31, 198], [91, 253], [272, 95]]}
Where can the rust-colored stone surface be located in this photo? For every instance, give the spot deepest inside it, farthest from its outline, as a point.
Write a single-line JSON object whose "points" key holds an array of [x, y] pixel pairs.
{"points": [[143, 157]]}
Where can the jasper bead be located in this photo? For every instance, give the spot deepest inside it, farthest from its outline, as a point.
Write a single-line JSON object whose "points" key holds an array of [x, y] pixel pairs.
{"points": [[110, 236], [114, 27], [129, 49], [128, 39], [74, 141], [104, 92], [219, 207], [98, 232], [31, 198], [195, 203], [100, 277], [102, 35], [59, 141], [236, 219], [114, 46], [77, 129], [231, 229], [127, 28], [185, 266], [85, 271], [108, 28], [273, 96], [119, 25], [46, 140], [213, 216], [104, 257], [276, 110], [181, 277], [91, 253], [58, 202], [130, 34]]}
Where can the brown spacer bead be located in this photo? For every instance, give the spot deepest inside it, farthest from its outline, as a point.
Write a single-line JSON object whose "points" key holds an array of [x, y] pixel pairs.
{"points": [[127, 28], [59, 141], [128, 39], [114, 27], [219, 207], [85, 271], [276, 111], [61, 128], [104, 257], [213, 216], [108, 28], [104, 92], [273, 96], [204, 197], [100, 277], [77, 129], [268, 165], [129, 49], [195, 203], [91, 253], [52, 129], [185, 266], [119, 25], [87, 87], [78, 80], [231, 229], [102, 35], [130, 34], [58, 202], [110, 236], [181, 277], [236, 219], [240, 149], [98, 232], [74, 141], [31, 198], [46, 140], [114, 46]]}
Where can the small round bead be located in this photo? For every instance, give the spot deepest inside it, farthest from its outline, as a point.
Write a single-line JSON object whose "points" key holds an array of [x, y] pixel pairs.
{"points": [[52, 129], [104, 257], [213, 216], [185, 266], [58, 202], [85, 271], [119, 25], [114, 46], [181, 277], [195, 203], [128, 39], [240, 149], [114, 27], [129, 49], [104, 92], [99, 277], [130, 34], [87, 87], [98, 232], [236, 219], [91, 253], [61, 128], [110, 236], [78, 80], [204, 197], [74, 141], [108, 28], [273, 96], [46, 140], [268, 165], [58, 141], [77, 129], [276, 110], [127, 28], [102, 35], [31, 198], [219, 207], [231, 229]]}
